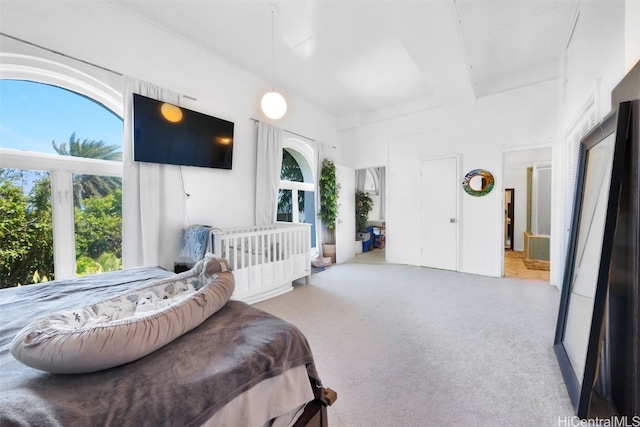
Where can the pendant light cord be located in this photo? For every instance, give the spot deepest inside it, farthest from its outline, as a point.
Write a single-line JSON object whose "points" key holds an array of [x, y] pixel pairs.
{"points": [[273, 52]]}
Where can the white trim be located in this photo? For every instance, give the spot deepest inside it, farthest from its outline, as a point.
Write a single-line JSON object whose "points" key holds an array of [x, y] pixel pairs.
{"points": [[299, 186], [44, 161], [64, 243], [24, 67], [303, 148], [306, 151]]}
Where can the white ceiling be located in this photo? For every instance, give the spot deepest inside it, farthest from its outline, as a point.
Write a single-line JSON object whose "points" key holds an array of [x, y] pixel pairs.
{"points": [[351, 57]]}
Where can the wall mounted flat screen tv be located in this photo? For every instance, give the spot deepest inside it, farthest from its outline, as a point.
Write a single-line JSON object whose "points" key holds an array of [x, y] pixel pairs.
{"points": [[166, 133]]}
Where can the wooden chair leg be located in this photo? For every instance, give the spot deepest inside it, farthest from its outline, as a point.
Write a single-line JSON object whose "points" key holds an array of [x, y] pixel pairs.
{"points": [[315, 412]]}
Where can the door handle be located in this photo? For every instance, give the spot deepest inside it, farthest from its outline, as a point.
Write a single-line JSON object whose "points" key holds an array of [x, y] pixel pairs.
{"points": [[452, 220]]}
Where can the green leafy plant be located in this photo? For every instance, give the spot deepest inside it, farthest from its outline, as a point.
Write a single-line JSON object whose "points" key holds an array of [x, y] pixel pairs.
{"points": [[26, 232], [364, 204], [329, 192], [26, 229]]}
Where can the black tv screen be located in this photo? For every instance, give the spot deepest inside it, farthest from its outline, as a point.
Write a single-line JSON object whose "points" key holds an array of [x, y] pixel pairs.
{"points": [[166, 133]]}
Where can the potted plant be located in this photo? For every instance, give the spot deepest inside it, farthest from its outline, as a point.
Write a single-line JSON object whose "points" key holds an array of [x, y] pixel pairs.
{"points": [[364, 204], [329, 191]]}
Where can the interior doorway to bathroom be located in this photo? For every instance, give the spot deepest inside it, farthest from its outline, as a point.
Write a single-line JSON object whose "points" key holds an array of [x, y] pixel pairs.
{"points": [[527, 212]]}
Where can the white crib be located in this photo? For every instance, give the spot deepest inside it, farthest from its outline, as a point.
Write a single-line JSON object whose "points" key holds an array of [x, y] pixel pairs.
{"points": [[265, 260]]}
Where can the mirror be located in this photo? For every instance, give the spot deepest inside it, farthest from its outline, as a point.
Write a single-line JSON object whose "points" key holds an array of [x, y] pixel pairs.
{"points": [[588, 257], [587, 254], [478, 182], [518, 174]]}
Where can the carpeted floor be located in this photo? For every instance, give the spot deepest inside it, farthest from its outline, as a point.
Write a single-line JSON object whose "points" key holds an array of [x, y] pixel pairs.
{"points": [[410, 346]]}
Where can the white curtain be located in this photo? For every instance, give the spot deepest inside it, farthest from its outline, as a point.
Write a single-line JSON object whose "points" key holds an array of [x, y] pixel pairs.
{"points": [[361, 178], [319, 157], [382, 192], [268, 166], [142, 214]]}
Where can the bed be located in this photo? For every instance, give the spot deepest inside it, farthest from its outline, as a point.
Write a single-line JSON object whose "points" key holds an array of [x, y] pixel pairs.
{"points": [[241, 366], [265, 259]]}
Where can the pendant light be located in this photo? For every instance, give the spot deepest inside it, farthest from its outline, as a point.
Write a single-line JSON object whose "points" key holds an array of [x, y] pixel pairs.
{"points": [[273, 104]]}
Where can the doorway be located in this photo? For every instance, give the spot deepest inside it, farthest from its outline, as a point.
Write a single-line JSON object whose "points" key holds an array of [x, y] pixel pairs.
{"points": [[524, 254], [372, 181]]}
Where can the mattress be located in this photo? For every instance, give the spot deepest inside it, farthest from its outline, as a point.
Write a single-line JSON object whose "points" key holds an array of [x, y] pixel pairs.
{"points": [[186, 382]]}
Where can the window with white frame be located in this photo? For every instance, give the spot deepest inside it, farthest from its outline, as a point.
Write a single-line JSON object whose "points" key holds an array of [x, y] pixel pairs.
{"points": [[60, 177], [296, 198], [371, 182]]}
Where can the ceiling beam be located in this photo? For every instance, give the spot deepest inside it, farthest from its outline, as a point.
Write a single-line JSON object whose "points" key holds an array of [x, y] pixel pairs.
{"points": [[432, 36]]}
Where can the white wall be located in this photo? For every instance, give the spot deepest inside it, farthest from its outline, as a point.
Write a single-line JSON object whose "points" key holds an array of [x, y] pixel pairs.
{"points": [[479, 132], [603, 47], [102, 33], [632, 33]]}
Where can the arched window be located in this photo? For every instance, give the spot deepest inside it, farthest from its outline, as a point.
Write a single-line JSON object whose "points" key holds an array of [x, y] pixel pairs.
{"points": [[296, 199], [68, 170], [371, 182]]}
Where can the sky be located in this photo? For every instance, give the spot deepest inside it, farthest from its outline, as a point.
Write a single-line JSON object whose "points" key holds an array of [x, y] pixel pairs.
{"points": [[34, 114]]}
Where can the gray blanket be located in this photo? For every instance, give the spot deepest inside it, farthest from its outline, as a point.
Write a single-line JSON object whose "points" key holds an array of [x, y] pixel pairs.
{"points": [[182, 384]]}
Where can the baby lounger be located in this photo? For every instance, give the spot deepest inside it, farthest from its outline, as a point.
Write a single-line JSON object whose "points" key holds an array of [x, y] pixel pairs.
{"points": [[125, 328]]}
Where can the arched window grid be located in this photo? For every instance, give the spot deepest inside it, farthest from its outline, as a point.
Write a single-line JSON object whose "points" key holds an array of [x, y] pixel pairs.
{"points": [[39, 70], [303, 153], [372, 181], [62, 168]]}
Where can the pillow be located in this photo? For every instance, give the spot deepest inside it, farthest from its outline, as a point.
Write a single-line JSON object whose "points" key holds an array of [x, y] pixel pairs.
{"points": [[127, 327], [214, 265]]}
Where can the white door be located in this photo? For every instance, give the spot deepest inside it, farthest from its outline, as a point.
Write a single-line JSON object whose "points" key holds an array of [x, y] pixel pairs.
{"points": [[439, 188], [346, 222]]}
